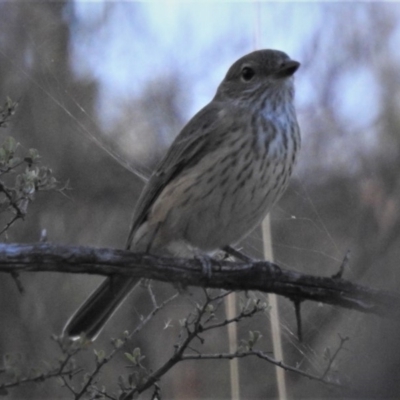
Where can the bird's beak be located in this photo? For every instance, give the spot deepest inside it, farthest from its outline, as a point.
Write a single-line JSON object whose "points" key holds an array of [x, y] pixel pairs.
{"points": [[288, 68]]}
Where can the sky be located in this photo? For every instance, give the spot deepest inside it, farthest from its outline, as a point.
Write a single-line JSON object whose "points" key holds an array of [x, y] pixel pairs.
{"points": [[125, 45], [133, 42]]}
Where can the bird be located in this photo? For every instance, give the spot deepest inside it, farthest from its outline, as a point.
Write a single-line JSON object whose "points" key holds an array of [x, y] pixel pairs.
{"points": [[218, 180]]}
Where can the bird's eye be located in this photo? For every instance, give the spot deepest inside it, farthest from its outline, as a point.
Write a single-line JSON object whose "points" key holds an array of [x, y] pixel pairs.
{"points": [[248, 73]]}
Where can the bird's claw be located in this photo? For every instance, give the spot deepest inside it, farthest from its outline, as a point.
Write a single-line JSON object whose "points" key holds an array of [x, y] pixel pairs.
{"points": [[206, 267]]}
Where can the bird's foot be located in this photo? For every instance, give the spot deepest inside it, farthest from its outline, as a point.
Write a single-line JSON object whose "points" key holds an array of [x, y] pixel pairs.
{"points": [[206, 265]]}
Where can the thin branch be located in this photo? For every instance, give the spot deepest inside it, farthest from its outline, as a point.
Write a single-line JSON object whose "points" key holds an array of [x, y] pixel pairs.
{"points": [[238, 318], [13, 204], [11, 222], [54, 373], [192, 327], [334, 356], [17, 280], [67, 385], [112, 354], [57, 372], [104, 394], [297, 308], [8, 169], [40, 378], [343, 266], [264, 356], [178, 353]]}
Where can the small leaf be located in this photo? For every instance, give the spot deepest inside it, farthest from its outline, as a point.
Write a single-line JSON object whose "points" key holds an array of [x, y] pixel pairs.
{"points": [[2, 155], [136, 352], [11, 105], [10, 145], [15, 161], [327, 354], [182, 322], [99, 355], [131, 358], [60, 381], [210, 308], [256, 336]]}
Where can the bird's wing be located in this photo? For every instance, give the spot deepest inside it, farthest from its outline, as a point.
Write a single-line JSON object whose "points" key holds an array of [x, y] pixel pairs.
{"points": [[186, 150]]}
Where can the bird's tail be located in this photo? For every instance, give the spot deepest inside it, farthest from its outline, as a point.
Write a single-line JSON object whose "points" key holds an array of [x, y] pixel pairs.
{"points": [[92, 315]]}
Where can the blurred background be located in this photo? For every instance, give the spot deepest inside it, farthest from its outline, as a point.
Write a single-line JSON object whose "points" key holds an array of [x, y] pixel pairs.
{"points": [[94, 78]]}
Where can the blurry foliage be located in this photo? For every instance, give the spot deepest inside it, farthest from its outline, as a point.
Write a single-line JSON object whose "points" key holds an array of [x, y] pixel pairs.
{"points": [[6, 112], [20, 175], [345, 195]]}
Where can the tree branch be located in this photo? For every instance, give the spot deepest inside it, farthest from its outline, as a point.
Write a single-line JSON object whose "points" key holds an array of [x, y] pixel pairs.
{"points": [[263, 356], [256, 275]]}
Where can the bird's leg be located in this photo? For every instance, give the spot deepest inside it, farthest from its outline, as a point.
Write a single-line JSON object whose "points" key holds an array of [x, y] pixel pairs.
{"points": [[206, 266]]}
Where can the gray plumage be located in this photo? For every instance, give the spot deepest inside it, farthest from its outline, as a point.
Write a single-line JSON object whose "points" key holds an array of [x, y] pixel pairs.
{"points": [[219, 178]]}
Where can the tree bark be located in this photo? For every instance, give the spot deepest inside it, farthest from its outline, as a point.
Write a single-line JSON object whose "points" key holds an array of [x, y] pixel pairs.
{"points": [[255, 275]]}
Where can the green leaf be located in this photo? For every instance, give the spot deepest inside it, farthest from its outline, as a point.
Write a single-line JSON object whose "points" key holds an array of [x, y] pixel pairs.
{"points": [[32, 157], [182, 322], [131, 358], [254, 337], [60, 381], [15, 161], [10, 145], [257, 336], [2, 155], [136, 352], [10, 105], [99, 355], [209, 308]]}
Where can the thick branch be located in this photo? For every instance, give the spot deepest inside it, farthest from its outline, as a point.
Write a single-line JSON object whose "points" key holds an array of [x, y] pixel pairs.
{"points": [[258, 275]]}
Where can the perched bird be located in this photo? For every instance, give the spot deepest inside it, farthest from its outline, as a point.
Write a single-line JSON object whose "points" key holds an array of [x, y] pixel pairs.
{"points": [[218, 180]]}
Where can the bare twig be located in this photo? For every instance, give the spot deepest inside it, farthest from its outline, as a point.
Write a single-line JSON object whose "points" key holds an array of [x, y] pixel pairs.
{"points": [[40, 378], [7, 111], [264, 356], [11, 222], [18, 282], [19, 213], [195, 325], [56, 372], [297, 308], [343, 266], [192, 328], [100, 363], [343, 340]]}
